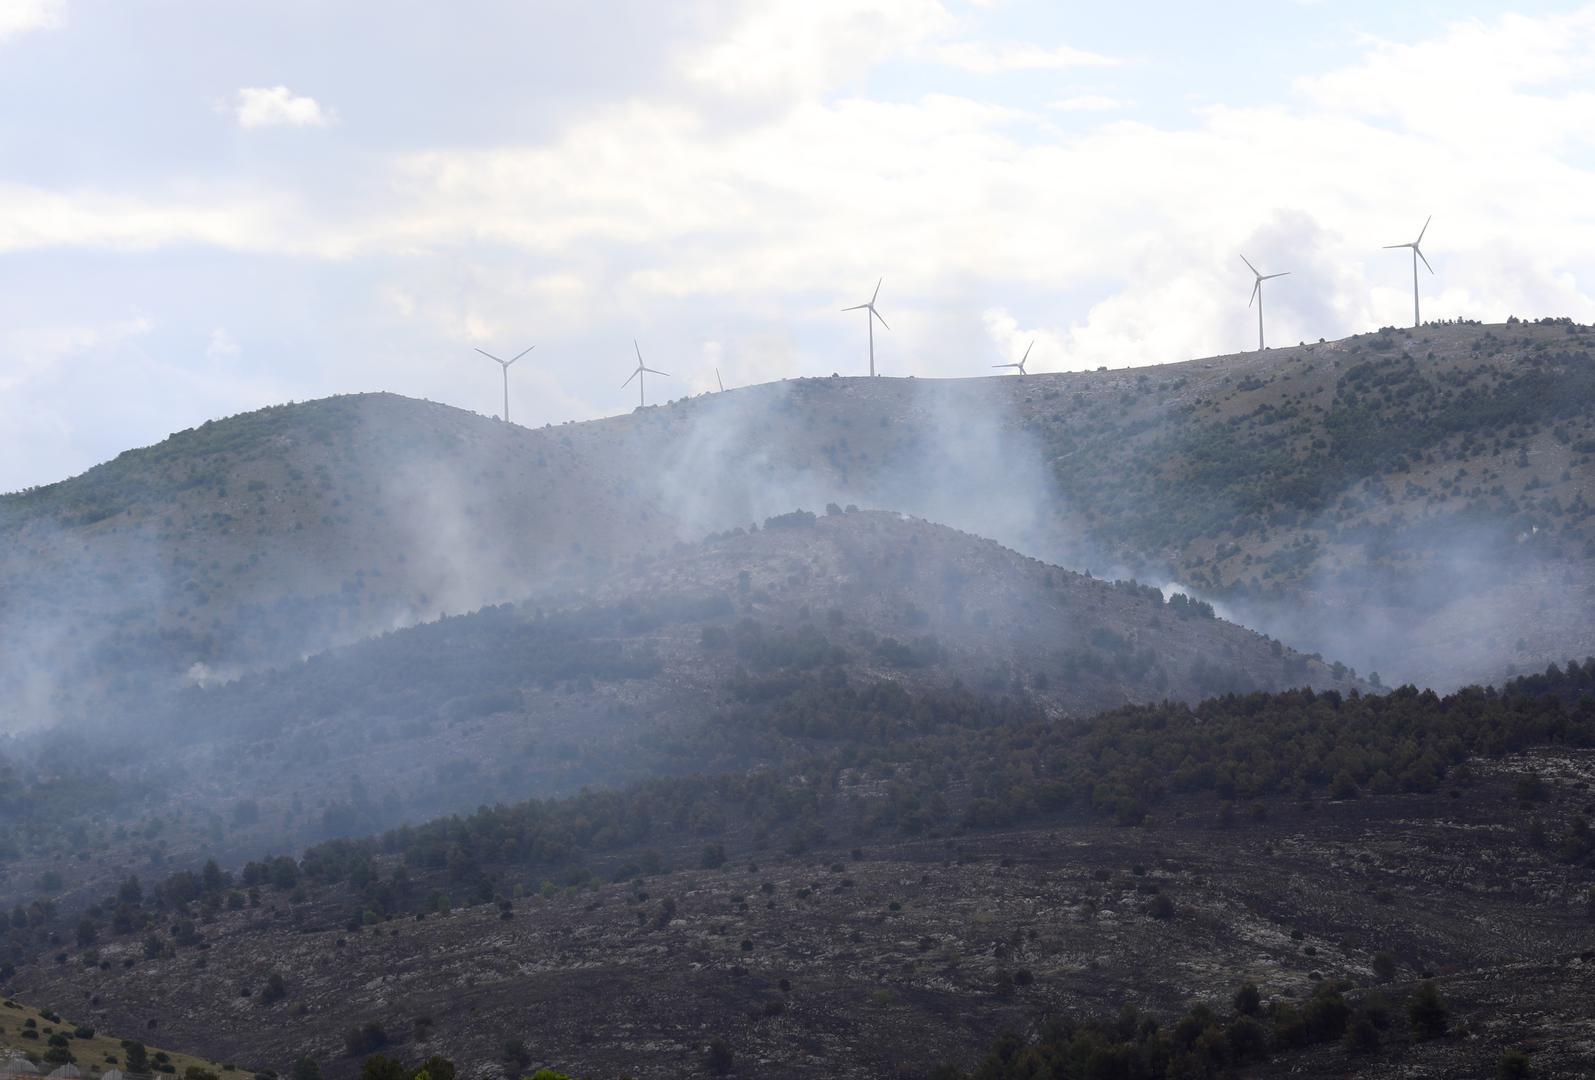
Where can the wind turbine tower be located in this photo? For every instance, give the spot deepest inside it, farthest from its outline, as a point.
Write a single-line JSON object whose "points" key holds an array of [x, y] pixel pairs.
{"points": [[870, 318], [505, 364], [1416, 255], [1021, 364], [637, 374], [1257, 295]]}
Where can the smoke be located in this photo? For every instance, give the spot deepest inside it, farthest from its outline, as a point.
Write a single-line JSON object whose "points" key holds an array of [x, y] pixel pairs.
{"points": [[737, 462], [74, 607], [1439, 602], [362, 515]]}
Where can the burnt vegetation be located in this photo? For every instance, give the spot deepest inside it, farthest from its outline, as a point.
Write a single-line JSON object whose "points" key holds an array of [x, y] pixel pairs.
{"points": [[873, 765], [837, 793]]}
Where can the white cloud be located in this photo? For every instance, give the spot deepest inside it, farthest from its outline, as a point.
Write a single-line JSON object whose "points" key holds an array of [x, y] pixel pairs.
{"points": [[1089, 103], [730, 243], [991, 58], [22, 16], [220, 348], [1515, 80], [796, 48], [33, 218], [1049, 350], [277, 106], [30, 352]]}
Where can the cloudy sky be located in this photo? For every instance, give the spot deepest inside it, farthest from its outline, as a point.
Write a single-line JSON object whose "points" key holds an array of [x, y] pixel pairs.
{"points": [[207, 207]]}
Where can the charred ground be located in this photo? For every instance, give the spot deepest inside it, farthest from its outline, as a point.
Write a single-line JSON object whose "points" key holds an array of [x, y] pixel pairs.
{"points": [[621, 934]]}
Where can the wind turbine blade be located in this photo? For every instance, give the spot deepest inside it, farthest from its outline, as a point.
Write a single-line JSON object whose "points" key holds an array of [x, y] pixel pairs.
{"points": [[633, 375], [634, 345], [1257, 287], [1026, 356], [490, 356], [1249, 265], [856, 307], [655, 371], [877, 314], [523, 352], [719, 380], [1423, 230], [1419, 252], [877, 292], [1389, 246], [1271, 277], [1004, 365]]}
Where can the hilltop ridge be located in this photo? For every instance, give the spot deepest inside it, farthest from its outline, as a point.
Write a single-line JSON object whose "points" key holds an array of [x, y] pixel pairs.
{"points": [[1415, 500]]}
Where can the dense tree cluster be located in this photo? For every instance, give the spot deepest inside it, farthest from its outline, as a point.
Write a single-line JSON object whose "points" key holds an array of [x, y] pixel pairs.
{"points": [[933, 760], [957, 759], [1204, 1042]]}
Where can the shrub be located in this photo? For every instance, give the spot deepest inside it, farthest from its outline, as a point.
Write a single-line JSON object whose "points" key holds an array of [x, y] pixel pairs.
{"points": [[718, 1059], [383, 1067], [1246, 1037], [275, 989], [1362, 1037], [1428, 1012], [365, 1039], [435, 1067], [1514, 1065], [1326, 1014]]}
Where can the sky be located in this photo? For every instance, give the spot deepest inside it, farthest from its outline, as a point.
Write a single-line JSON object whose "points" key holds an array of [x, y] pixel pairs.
{"points": [[209, 207]]}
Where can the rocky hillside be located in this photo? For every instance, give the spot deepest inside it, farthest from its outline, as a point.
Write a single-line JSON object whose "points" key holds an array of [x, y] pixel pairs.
{"points": [[831, 918], [1409, 501]]}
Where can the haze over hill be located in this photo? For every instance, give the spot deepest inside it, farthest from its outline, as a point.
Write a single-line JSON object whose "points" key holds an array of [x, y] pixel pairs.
{"points": [[645, 672], [1411, 501], [1213, 716]]}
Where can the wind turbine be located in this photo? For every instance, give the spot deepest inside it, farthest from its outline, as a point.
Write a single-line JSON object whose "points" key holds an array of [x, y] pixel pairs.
{"points": [[1416, 255], [505, 364], [641, 367], [870, 318], [1257, 295], [1021, 364], [719, 380]]}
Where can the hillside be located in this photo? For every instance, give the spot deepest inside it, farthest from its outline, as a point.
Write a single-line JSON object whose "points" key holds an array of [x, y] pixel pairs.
{"points": [[829, 914], [1414, 502], [644, 673], [48, 1040]]}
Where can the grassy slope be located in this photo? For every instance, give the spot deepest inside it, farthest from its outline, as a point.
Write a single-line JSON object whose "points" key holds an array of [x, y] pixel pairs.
{"points": [[92, 1055]]}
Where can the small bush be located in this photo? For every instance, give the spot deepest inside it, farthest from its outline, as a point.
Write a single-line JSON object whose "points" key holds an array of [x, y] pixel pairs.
{"points": [[1428, 1012], [718, 1059], [1514, 1065]]}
